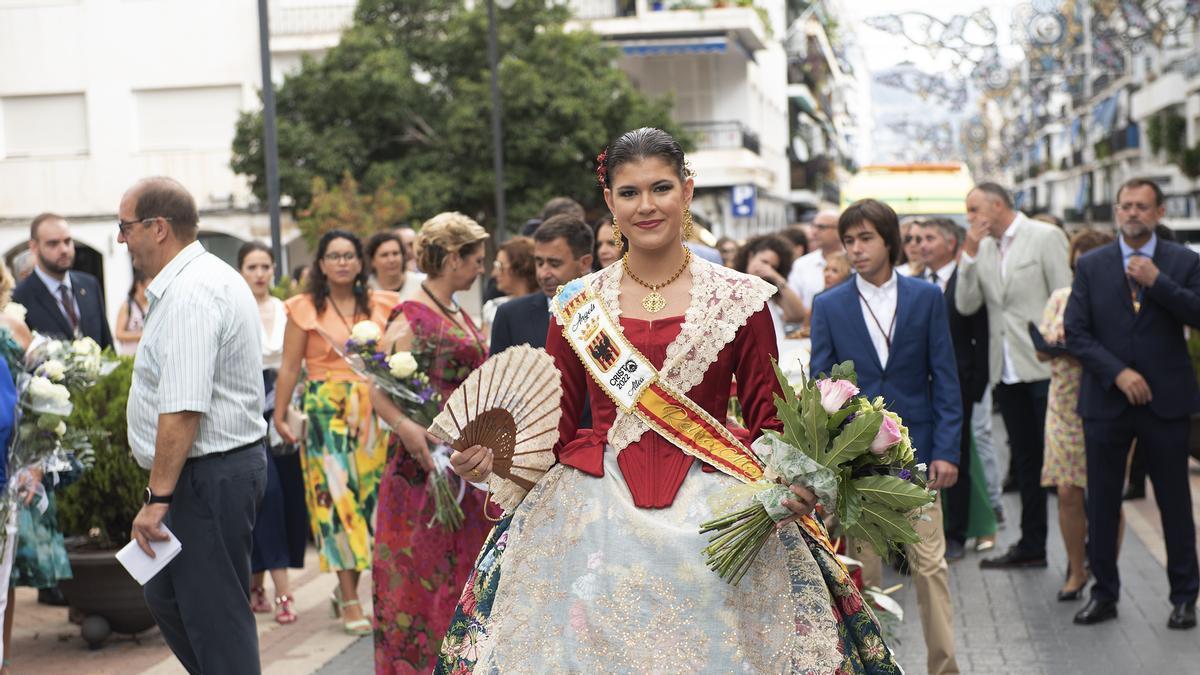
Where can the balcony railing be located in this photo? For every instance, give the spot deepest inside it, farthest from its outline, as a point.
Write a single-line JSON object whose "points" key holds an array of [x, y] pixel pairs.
{"points": [[723, 136], [603, 9], [301, 17]]}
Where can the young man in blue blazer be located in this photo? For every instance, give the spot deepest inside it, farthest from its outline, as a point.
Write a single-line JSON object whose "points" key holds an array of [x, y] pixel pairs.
{"points": [[895, 330], [1124, 322]]}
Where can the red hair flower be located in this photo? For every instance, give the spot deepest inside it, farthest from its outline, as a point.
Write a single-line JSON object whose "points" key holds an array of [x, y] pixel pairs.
{"points": [[602, 169]]}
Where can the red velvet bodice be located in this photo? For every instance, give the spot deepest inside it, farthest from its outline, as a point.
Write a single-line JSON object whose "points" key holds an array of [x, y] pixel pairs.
{"points": [[652, 467]]}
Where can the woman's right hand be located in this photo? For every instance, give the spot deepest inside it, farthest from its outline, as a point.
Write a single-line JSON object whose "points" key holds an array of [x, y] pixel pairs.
{"points": [[282, 427], [473, 464], [414, 440]]}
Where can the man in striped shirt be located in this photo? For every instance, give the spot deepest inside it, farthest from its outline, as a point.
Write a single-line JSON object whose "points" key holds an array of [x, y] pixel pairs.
{"points": [[195, 421]]}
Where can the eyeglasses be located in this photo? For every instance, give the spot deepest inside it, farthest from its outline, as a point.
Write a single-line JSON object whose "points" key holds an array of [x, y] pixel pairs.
{"points": [[125, 226], [334, 258], [908, 240], [1135, 206], [499, 266]]}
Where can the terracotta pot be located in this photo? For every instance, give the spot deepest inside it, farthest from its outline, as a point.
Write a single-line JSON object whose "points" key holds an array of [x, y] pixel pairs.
{"points": [[104, 594]]}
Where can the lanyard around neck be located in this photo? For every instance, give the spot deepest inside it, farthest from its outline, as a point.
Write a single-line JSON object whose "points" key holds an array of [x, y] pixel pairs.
{"points": [[887, 334]]}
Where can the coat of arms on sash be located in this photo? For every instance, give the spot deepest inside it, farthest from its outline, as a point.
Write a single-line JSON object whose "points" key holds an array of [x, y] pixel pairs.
{"points": [[603, 350]]}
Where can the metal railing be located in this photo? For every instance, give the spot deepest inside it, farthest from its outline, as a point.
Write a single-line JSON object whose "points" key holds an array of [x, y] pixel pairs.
{"points": [[723, 136], [293, 17], [603, 9]]}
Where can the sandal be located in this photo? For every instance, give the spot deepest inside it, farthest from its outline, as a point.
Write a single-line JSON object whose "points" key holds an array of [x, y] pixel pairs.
{"points": [[358, 626], [258, 600], [284, 612]]}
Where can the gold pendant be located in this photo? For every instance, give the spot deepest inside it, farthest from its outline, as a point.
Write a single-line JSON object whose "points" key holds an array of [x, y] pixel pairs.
{"points": [[654, 302]]}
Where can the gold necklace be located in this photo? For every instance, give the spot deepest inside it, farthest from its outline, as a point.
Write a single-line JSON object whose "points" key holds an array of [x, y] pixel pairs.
{"points": [[654, 302]]}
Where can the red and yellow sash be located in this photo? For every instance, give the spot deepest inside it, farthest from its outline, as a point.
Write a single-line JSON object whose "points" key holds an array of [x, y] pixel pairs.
{"points": [[630, 380]]}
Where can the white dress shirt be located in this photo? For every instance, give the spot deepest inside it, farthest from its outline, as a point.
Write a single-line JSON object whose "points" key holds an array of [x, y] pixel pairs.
{"points": [[942, 275], [272, 343], [201, 351], [879, 312], [807, 276]]}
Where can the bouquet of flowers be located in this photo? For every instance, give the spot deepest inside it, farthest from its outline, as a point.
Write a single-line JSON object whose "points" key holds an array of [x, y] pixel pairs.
{"points": [[412, 392], [41, 438], [854, 454]]}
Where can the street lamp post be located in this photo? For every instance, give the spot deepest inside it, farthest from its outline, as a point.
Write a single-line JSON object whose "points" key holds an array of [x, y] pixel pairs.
{"points": [[497, 129], [270, 143]]}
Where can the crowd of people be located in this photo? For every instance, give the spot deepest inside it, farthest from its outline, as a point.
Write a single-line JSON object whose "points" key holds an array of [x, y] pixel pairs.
{"points": [[1079, 340]]}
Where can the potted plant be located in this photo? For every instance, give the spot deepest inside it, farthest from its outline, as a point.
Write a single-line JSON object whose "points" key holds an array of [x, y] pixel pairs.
{"points": [[96, 512]]}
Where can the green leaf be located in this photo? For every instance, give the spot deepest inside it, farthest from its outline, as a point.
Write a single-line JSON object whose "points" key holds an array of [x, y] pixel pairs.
{"points": [[854, 440], [793, 428], [815, 418], [844, 371], [789, 392], [894, 525], [849, 501], [836, 419], [867, 532], [893, 492]]}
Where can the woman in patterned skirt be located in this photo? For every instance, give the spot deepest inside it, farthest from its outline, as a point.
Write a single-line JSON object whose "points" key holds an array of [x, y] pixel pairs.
{"points": [[344, 452], [419, 567], [1065, 466]]}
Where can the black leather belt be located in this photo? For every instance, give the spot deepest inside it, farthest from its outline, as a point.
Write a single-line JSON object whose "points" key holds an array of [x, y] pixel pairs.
{"points": [[216, 455]]}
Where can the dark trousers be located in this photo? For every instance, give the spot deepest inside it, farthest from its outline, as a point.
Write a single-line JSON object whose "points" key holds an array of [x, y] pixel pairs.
{"points": [[201, 601], [1164, 444], [957, 507], [1023, 408]]}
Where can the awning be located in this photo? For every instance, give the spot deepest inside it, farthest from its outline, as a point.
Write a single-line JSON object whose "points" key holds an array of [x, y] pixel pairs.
{"points": [[1076, 129], [671, 47], [1104, 114], [1081, 196]]}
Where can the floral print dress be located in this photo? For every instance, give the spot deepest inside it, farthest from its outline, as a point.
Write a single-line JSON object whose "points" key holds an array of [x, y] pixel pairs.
{"points": [[419, 570], [1065, 462]]}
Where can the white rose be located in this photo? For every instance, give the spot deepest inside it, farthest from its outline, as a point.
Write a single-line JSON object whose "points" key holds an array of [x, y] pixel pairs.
{"points": [[41, 388], [402, 364], [60, 394], [15, 310], [53, 370], [61, 429], [366, 331], [85, 346]]}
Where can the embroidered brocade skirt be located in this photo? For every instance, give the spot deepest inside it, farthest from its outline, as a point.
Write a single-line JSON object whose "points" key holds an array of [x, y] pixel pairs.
{"points": [[578, 579]]}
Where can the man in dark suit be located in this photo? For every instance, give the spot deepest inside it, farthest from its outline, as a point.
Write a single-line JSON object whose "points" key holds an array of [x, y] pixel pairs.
{"points": [[1124, 322], [894, 329], [939, 240], [60, 302], [562, 251]]}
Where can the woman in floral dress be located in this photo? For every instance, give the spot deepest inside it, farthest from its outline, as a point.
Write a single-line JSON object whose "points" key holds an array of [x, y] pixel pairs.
{"points": [[419, 568], [1065, 465]]}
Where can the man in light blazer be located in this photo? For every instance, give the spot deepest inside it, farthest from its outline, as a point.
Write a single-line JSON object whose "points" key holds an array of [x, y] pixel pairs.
{"points": [[894, 328], [1011, 264]]}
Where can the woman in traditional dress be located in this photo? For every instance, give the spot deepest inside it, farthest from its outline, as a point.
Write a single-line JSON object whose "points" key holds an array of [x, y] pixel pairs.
{"points": [[419, 567], [345, 451], [279, 529], [600, 568]]}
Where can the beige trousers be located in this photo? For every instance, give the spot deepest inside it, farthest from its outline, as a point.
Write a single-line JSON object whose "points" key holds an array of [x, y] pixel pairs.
{"points": [[932, 577]]}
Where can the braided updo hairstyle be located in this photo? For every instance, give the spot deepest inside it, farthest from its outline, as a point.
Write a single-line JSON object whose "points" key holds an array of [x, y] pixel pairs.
{"points": [[443, 234], [637, 145]]}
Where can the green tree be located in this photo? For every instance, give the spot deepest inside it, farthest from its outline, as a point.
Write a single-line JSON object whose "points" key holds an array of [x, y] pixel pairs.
{"points": [[344, 207], [405, 97]]}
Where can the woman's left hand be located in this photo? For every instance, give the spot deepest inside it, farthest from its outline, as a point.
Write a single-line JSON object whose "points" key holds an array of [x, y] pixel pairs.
{"points": [[28, 481], [802, 504]]}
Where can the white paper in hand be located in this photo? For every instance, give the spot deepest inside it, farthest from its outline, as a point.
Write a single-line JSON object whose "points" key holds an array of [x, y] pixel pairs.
{"points": [[141, 566]]}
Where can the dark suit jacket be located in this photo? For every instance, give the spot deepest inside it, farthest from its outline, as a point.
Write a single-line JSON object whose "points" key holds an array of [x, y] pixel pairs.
{"points": [[969, 333], [45, 316], [521, 321], [524, 321], [1106, 336], [920, 382]]}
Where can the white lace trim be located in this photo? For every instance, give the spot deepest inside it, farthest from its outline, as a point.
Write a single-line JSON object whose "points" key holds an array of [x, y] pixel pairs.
{"points": [[722, 300]]}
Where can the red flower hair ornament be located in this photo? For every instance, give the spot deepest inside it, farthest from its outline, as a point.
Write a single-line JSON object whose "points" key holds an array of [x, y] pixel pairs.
{"points": [[602, 169]]}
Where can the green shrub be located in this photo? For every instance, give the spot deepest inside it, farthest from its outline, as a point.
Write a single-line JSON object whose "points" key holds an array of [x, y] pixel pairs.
{"points": [[103, 503]]}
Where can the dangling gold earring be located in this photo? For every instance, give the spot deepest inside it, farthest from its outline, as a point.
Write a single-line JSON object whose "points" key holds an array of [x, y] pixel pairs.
{"points": [[616, 240], [687, 224]]}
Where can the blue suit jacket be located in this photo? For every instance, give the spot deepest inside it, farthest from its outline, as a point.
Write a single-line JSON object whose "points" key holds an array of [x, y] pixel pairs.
{"points": [[920, 382], [1107, 337]]}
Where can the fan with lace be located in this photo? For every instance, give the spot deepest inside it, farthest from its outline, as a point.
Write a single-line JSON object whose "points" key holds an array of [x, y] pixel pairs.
{"points": [[511, 405]]}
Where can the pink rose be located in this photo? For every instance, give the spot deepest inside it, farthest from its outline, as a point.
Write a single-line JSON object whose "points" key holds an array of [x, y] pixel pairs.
{"points": [[835, 393], [889, 435]]}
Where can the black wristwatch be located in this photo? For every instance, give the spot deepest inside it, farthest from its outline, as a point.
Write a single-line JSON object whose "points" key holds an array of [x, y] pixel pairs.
{"points": [[151, 498]]}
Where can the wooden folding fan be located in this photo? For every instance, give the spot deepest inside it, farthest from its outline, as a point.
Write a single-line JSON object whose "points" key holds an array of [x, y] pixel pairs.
{"points": [[510, 404]]}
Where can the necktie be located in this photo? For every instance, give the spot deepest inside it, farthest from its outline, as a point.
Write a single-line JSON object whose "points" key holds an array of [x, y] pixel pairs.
{"points": [[1135, 289], [68, 306]]}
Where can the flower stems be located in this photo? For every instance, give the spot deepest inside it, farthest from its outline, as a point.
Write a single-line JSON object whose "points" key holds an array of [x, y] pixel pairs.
{"points": [[447, 512], [738, 539]]}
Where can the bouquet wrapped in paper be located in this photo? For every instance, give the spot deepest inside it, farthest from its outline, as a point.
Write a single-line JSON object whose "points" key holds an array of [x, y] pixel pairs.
{"points": [[397, 375], [41, 437], [853, 453]]}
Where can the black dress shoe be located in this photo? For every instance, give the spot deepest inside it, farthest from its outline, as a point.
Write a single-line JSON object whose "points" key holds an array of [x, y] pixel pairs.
{"points": [[1183, 616], [51, 596], [1071, 596], [1134, 491], [1013, 558], [955, 550], [1096, 611]]}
